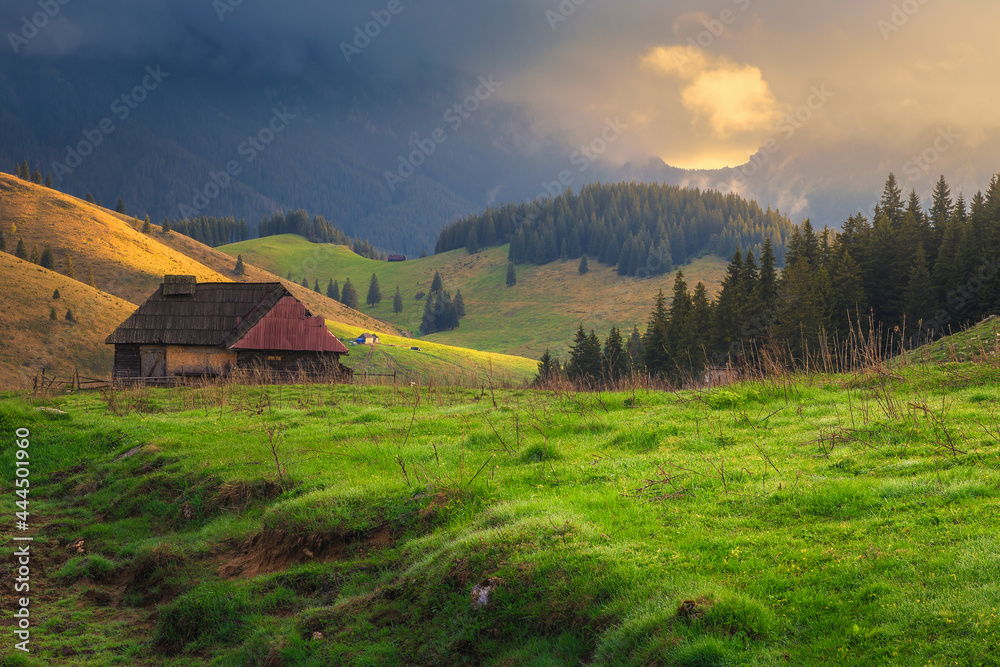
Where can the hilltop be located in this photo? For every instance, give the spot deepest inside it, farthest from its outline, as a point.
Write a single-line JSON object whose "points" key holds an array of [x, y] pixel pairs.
{"points": [[539, 312], [126, 266]]}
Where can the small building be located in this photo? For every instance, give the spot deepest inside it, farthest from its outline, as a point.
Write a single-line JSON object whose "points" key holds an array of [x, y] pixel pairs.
{"points": [[368, 339], [396, 258], [187, 329]]}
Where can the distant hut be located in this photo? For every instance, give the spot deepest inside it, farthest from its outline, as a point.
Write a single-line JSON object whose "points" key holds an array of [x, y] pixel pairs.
{"points": [[368, 339], [187, 329], [396, 258]]}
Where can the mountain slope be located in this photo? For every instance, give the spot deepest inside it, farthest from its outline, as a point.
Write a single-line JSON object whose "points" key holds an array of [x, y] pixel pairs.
{"points": [[32, 341], [540, 312], [127, 266]]}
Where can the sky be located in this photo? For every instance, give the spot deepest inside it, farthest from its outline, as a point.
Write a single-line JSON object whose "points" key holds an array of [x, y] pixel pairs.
{"points": [[824, 92]]}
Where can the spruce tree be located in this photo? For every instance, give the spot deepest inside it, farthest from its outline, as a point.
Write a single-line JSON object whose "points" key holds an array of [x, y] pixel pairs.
{"points": [[20, 251], [374, 297], [289, 275], [397, 302], [48, 180], [47, 260], [633, 352], [89, 198], [305, 282], [25, 171], [316, 286], [52, 313], [35, 257], [70, 317], [90, 276], [472, 242], [120, 206], [55, 294], [329, 289], [147, 226], [919, 291], [656, 356], [459, 304], [437, 284], [349, 295], [165, 227], [511, 275], [336, 291], [36, 177], [68, 268], [583, 265], [427, 319], [615, 358], [239, 269], [3, 242], [548, 369], [423, 254]]}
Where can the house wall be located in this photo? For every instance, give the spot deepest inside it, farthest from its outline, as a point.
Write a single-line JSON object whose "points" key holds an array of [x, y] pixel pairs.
{"points": [[195, 360], [291, 363], [127, 364]]}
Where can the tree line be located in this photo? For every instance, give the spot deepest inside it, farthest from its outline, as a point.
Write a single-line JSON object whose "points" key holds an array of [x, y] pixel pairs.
{"points": [[641, 229], [916, 273]]}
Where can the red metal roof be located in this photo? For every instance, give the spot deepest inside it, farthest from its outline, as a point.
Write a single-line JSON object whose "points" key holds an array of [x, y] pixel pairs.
{"points": [[289, 327]]}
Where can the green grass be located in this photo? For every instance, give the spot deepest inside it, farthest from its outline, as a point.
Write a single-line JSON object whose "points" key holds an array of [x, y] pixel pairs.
{"points": [[820, 520], [534, 315]]}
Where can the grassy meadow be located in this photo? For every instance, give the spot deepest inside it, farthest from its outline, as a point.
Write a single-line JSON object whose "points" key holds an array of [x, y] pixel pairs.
{"points": [[540, 312], [806, 520]]}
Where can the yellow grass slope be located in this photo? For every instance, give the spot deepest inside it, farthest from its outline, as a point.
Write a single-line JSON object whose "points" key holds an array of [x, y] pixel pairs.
{"points": [[124, 261], [32, 341]]}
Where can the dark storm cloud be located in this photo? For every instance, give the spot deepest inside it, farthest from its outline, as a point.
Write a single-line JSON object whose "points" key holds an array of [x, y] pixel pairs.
{"points": [[283, 37]]}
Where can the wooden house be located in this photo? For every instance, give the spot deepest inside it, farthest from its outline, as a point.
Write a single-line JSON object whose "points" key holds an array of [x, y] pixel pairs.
{"points": [[368, 339], [187, 329]]}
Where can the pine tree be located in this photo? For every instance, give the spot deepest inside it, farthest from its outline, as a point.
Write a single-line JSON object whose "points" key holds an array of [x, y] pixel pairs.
{"points": [[70, 317], [548, 369], [397, 302], [305, 282], [427, 319], [316, 286], [374, 297], [656, 357], [90, 276], [56, 295], [35, 257], [349, 295], [335, 294], [511, 275], [3, 241], [120, 206], [47, 260], [147, 226], [52, 313], [329, 289], [89, 198], [437, 284], [634, 352], [20, 251], [919, 291], [48, 180], [583, 265], [615, 358], [25, 171], [68, 268], [459, 304], [165, 227], [584, 363], [36, 177], [239, 269]]}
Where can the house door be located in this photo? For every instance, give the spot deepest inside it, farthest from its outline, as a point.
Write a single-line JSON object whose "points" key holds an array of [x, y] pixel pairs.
{"points": [[154, 363]]}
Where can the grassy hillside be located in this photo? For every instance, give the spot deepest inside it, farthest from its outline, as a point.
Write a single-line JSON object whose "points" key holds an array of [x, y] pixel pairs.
{"points": [[32, 341], [128, 266], [541, 311], [433, 362], [820, 520]]}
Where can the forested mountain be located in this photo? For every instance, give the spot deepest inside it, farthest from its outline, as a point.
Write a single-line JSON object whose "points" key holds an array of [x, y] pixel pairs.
{"points": [[642, 229], [911, 273]]}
